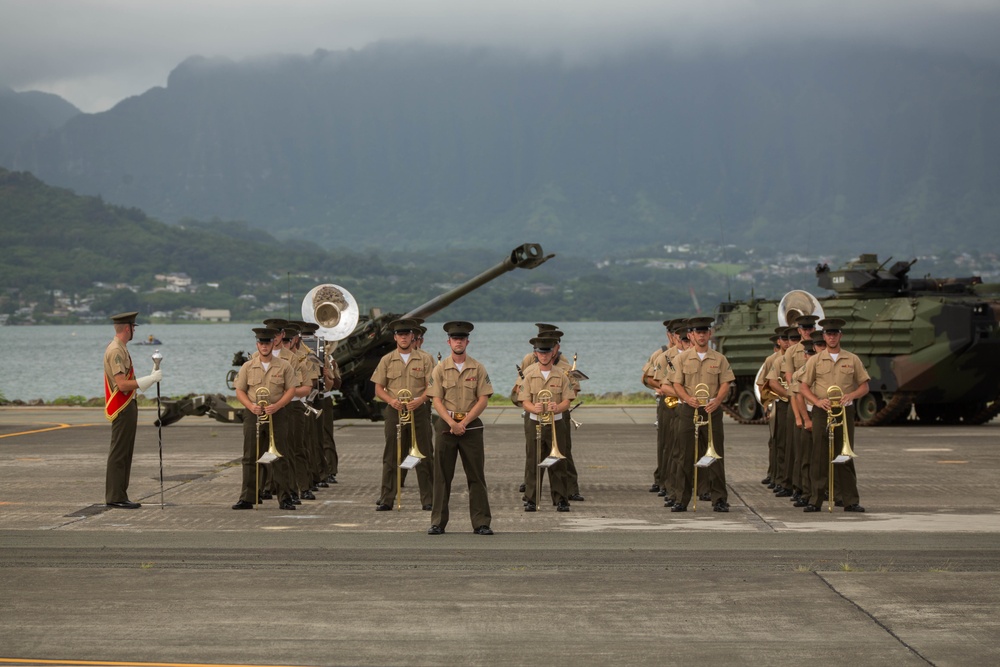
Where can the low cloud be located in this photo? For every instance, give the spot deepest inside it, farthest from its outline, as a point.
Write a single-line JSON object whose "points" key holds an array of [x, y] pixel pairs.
{"points": [[96, 52]]}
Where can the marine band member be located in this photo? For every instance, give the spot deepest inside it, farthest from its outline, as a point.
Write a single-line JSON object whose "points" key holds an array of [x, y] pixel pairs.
{"points": [[460, 388]]}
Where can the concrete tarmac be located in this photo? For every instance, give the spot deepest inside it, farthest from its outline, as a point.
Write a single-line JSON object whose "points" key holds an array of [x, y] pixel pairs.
{"points": [[618, 580]]}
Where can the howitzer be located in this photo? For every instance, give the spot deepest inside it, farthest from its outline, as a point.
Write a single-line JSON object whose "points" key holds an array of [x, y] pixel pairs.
{"points": [[358, 342], [359, 351]]}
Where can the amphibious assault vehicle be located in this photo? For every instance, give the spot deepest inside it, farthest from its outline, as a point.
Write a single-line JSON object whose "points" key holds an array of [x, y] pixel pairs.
{"points": [[931, 345], [357, 342]]}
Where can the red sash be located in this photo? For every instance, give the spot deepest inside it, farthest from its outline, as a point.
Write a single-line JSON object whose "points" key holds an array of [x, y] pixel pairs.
{"points": [[115, 401]]}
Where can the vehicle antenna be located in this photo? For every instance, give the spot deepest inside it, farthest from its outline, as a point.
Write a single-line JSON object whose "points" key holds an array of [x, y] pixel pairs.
{"points": [[694, 300]]}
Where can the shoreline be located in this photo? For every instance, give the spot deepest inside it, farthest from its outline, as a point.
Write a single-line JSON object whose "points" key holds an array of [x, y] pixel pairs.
{"points": [[501, 400]]}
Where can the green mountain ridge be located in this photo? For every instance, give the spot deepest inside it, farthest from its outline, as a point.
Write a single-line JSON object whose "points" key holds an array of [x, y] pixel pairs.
{"points": [[24, 115], [429, 147], [54, 240]]}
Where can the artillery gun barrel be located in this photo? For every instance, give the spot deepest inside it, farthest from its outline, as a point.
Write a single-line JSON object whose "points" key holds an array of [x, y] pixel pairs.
{"points": [[527, 256]]}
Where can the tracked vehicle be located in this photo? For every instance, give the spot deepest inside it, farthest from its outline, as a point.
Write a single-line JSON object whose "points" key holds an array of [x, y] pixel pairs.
{"points": [[931, 345]]}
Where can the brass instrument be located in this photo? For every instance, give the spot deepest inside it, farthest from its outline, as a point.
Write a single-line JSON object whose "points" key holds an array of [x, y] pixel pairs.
{"points": [[765, 395], [836, 418], [797, 303], [263, 397], [576, 374], [333, 308], [670, 402], [547, 416], [703, 396], [569, 413], [538, 452], [404, 396]]}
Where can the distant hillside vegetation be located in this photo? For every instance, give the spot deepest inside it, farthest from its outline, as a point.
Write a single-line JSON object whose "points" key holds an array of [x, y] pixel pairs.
{"points": [[54, 238], [414, 146]]}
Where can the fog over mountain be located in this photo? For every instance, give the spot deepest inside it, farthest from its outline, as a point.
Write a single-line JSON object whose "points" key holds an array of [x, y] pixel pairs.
{"points": [[95, 53], [416, 145]]}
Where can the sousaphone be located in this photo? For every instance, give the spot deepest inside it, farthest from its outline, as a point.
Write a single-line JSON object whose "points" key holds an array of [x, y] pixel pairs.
{"points": [[333, 308], [797, 303]]}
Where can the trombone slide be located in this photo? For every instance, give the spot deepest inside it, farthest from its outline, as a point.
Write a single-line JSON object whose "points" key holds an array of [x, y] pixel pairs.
{"points": [[836, 418]]}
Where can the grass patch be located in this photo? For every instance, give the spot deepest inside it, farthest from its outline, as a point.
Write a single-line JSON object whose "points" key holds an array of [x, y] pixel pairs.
{"points": [[726, 269]]}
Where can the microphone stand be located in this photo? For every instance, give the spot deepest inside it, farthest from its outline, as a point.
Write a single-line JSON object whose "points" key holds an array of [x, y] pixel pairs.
{"points": [[157, 358]]}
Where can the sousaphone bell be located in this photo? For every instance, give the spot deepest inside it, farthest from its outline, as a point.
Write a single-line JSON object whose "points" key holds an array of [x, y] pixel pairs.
{"points": [[797, 303], [333, 309]]}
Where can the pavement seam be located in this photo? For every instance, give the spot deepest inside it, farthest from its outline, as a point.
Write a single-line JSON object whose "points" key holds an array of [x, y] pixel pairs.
{"points": [[874, 619], [762, 524]]}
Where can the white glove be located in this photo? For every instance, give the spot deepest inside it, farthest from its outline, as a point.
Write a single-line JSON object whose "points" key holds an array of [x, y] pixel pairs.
{"points": [[148, 381]]}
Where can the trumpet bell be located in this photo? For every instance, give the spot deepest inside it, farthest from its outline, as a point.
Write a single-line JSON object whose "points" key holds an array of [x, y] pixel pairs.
{"points": [[795, 303], [333, 308]]}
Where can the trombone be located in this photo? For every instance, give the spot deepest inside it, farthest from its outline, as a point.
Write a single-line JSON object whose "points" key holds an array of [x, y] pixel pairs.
{"points": [[836, 418], [546, 418], [702, 395], [263, 396], [404, 396]]}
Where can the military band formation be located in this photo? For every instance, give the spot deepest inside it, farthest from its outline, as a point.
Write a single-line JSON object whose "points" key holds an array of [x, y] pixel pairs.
{"points": [[808, 387]]}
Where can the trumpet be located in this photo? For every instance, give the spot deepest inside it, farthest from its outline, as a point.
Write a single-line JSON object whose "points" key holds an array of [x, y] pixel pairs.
{"points": [[569, 413], [836, 418], [311, 410], [702, 395]]}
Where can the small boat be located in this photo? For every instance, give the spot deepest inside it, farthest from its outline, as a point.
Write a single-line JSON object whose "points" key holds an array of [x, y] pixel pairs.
{"points": [[152, 340]]}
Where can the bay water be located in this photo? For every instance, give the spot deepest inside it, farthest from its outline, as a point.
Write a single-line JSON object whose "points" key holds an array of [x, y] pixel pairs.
{"points": [[50, 362]]}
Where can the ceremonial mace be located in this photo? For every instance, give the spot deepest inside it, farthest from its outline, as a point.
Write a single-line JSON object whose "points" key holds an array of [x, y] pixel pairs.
{"points": [[157, 358]]}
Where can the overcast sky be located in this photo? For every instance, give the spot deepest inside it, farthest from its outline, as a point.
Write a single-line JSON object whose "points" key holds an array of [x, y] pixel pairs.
{"points": [[97, 52]]}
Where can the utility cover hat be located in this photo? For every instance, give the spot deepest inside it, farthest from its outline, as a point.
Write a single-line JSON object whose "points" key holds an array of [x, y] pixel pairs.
{"points": [[700, 323], [124, 318], [832, 324], [265, 334], [542, 344], [458, 328], [405, 325]]}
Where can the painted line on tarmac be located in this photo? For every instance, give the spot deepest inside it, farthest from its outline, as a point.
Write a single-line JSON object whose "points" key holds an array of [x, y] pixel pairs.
{"points": [[57, 427], [130, 663]]}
